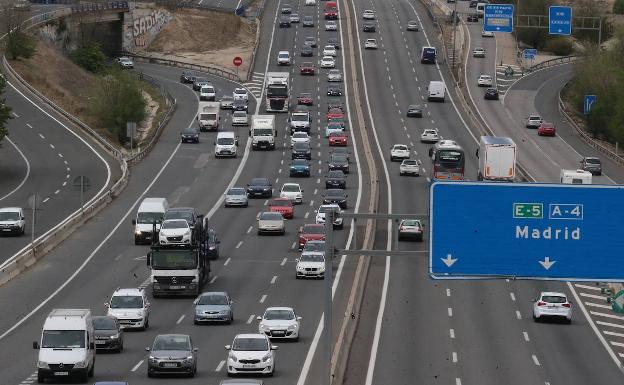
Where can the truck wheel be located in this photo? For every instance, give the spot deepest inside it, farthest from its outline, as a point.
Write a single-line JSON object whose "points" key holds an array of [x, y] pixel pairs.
{"points": [[40, 378], [84, 378], [90, 373]]}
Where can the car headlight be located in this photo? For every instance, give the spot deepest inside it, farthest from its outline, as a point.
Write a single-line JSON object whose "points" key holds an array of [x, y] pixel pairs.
{"points": [[114, 336], [152, 359], [137, 231], [198, 311], [263, 327], [232, 357], [42, 364], [292, 327], [194, 280], [266, 358], [188, 360], [224, 311], [322, 268], [80, 364], [300, 268]]}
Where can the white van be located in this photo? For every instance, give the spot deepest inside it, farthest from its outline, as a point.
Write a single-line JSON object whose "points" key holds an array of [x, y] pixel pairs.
{"points": [[226, 144], [67, 345], [576, 177], [151, 210], [481, 9], [437, 91]]}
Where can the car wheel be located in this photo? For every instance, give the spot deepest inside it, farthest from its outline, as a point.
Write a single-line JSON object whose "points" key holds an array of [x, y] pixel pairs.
{"points": [[231, 317], [568, 321], [419, 239], [195, 322], [40, 378], [297, 276], [84, 378], [149, 374]]}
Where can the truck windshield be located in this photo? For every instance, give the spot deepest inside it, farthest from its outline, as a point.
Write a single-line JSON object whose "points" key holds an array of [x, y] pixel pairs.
{"points": [[262, 132], [225, 141], [149, 217], [208, 116], [277, 91], [174, 260], [9, 216], [60, 339]]}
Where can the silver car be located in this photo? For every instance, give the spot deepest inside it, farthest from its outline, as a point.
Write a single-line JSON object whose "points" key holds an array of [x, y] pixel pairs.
{"points": [[236, 196], [271, 222], [409, 167], [239, 118], [172, 353], [213, 306], [334, 75]]}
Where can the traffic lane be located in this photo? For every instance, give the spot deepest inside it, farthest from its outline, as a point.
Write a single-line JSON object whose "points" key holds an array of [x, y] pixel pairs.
{"points": [[15, 169], [480, 66]]}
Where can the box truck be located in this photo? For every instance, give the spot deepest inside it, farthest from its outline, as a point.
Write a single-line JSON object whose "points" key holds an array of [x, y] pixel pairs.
{"points": [[497, 159]]}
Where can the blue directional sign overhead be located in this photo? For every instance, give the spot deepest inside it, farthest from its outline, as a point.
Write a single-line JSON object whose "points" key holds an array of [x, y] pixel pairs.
{"points": [[498, 18], [559, 20], [526, 231], [588, 103]]}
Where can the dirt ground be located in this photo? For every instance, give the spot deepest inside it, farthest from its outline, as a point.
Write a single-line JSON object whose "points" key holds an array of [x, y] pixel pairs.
{"points": [[206, 37]]}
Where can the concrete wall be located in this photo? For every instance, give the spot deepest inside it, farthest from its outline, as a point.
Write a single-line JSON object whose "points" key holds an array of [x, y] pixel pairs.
{"points": [[142, 24]]}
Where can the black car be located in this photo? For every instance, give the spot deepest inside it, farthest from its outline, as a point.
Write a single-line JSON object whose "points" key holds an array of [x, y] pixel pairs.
{"points": [[190, 134], [414, 110], [199, 82], [369, 27], [301, 151], [187, 77], [491, 94], [240, 105], [108, 333], [337, 196], [334, 91], [286, 9], [343, 151], [260, 187], [211, 244], [308, 21], [192, 217], [472, 18], [334, 41], [473, 4], [284, 22], [336, 179], [338, 162], [307, 51]]}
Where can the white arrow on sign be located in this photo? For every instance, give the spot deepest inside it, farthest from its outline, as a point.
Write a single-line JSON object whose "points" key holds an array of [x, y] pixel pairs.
{"points": [[449, 260], [547, 263]]}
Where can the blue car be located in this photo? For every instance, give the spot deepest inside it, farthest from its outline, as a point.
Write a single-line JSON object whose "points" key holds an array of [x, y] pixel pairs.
{"points": [[300, 167]]}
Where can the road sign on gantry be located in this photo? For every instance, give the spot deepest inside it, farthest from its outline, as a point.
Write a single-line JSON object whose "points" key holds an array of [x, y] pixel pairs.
{"points": [[498, 18], [526, 231], [559, 20]]}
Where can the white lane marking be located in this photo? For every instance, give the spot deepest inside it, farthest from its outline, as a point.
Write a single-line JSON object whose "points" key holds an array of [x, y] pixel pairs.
{"points": [[45, 200], [454, 357], [238, 245], [249, 229], [605, 314], [57, 191], [518, 315], [284, 261], [180, 319], [613, 333], [135, 367], [610, 324], [618, 344], [293, 245], [213, 279], [599, 305], [448, 292], [28, 125], [526, 336], [263, 298], [51, 145], [450, 311], [452, 333], [220, 366], [535, 360], [594, 288], [458, 381], [513, 296], [64, 184], [312, 201], [593, 296], [250, 319], [273, 279], [42, 137], [60, 155], [227, 261], [27, 169], [307, 214], [14, 114]]}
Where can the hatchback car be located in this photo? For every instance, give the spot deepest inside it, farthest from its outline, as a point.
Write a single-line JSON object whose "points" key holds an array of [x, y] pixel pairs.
{"points": [[334, 41], [310, 40], [284, 22], [307, 51], [552, 305], [12, 221], [286, 9], [310, 265], [323, 209], [250, 354], [299, 167], [329, 50], [213, 306], [307, 68], [334, 75], [292, 191], [240, 118], [429, 135], [484, 81], [240, 105], [260, 187], [410, 229], [546, 129], [338, 139], [412, 25], [130, 307], [333, 127], [336, 196], [370, 44], [271, 222], [369, 27], [336, 179], [533, 121], [294, 18], [283, 206], [236, 196], [301, 151], [175, 232], [331, 25], [240, 93], [190, 134], [308, 21], [172, 353], [341, 150], [368, 15], [108, 333], [310, 232], [226, 102], [409, 167], [478, 52], [399, 152], [592, 164], [414, 111], [299, 137], [338, 162], [207, 93], [187, 77], [328, 62], [280, 322], [491, 94]]}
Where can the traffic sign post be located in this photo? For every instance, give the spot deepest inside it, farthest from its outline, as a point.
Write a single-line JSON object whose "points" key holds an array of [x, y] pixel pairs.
{"points": [[526, 231], [559, 20], [588, 103], [237, 61], [529, 53], [498, 18]]}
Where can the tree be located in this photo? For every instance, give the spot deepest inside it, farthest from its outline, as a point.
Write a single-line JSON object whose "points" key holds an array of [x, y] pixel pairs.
{"points": [[618, 7], [5, 111], [18, 43], [89, 57], [533, 36]]}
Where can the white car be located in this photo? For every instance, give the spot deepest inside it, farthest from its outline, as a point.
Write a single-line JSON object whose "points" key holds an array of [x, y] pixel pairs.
{"points": [[310, 2], [534, 121], [294, 18], [552, 304], [283, 58], [125, 62], [320, 214], [484, 81], [271, 222], [429, 135], [478, 52], [299, 137], [409, 167], [487, 34], [240, 118], [175, 232], [207, 93], [328, 62], [399, 152], [130, 307], [310, 265], [292, 191], [368, 15], [370, 44], [250, 354], [329, 50], [240, 94], [331, 26], [334, 75], [280, 322], [12, 221]]}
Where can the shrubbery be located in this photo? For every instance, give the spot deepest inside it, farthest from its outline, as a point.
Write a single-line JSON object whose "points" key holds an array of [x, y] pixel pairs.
{"points": [[561, 46], [618, 7], [89, 57]]}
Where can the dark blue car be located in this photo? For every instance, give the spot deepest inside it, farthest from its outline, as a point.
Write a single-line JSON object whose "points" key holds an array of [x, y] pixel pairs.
{"points": [[300, 167]]}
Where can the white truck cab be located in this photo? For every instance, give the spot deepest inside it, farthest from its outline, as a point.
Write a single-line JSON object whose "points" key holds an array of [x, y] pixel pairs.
{"points": [[150, 211], [576, 177]]}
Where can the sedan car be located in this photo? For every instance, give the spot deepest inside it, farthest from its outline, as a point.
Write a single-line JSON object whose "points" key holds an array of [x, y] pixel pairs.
{"points": [[301, 151], [226, 102], [280, 322], [311, 265], [478, 52], [310, 232], [552, 305], [292, 191], [429, 135], [299, 137], [329, 50], [414, 111], [239, 118], [294, 18], [491, 94], [299, 167], [533, 121], [331, 25], [310, 40], [240, 93], [546, 129], [307, 51], [484, 81], [338, 139], [250, 354], [260, 187], [307, 68], [213, 306], [236, 196], [334, 75], [337, 196], [190, 134], [271, 222], [336, 179], [412, 25], [174, 232], [410, 229], [334, 91], [108, 333], [305, 99], [172, 353], [487, 34], [399, 152], [125, 62], [368, 15], [369, 27], [284, 22], [338, 162], [592, 164], [328, 62], [323, 209], [283, 206], [240, 105], [370, 44], [286, 9], [409, 167], [187, 77], [334, 41], [472, 18], [308, 21]]}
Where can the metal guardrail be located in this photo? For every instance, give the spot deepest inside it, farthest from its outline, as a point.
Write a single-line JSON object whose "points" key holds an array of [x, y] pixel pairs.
{"points": [[555, 62], [117, 6]]}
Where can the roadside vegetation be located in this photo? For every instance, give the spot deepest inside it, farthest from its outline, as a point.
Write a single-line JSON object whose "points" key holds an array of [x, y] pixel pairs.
{"points": [[5, 111]]}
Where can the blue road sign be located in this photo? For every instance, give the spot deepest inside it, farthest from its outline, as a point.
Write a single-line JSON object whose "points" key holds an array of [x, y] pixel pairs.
{"points": [[498, 18], [588, 103], [529, 53], [559, 20], [526, 231]]}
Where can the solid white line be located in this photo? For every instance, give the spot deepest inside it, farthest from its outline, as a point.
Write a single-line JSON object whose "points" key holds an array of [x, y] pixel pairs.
{"points": [[526, 336], [220, 366], [458, 381], [518, 315], [180, 319], [250, 319], [613, 333], [27, 168], [284, 261], [263, 298], [535, 360], [273, 279], [227, 261], [213, 279], [135, 367], [450, 311], [610, 324], [452, 333]]}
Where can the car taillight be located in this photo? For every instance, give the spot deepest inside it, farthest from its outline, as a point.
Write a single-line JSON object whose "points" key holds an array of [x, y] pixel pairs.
{"points": [[565, 305], [541, 303], [401, 228]]}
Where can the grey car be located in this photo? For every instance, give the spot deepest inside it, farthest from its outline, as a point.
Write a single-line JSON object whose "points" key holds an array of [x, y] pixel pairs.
{"points": [[213, 306], [172, 353], [108, 333], [308, 21], [227, 102], [311, 41], [236, 196], [199, 83], [592, 164], [334, 75]]}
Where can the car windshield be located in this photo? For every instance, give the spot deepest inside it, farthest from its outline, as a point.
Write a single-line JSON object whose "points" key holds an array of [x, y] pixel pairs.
{"points": [[174, 259], [592, 160], [431, 132], [554, 299], [259, 182], [301, 146], [401, 148], [104, 323], [283, 55], [172, 343], [300, 135], [281, 202], [175, 224], [126, 302], [271, 216], [334, 193], [239, 114], [314, 229], [324, 208], [9, 216], [190, 130], [240, 91], [300, 118], [299, 162], [335, 174], [336, 158], [337, 135], [207, 90], [213, 299], [281, 314], [250, 344], [63, 339], [314, 247], [201, 80], [227, 99], [225, 141], [312, 258], [236, 191], [291, 188]]}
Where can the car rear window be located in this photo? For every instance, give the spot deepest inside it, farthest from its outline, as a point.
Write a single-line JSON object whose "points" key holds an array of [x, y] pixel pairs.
{"points": [[554, 299]]}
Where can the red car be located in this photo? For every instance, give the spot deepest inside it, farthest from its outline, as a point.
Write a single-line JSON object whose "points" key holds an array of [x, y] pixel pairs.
{"points": [[338, 139], [311, 232], [335, 113], [283, 206], [305, 99], [547, 129], [307, 68]]}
